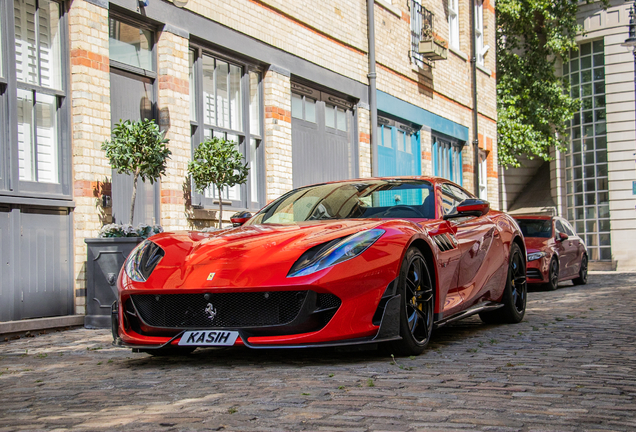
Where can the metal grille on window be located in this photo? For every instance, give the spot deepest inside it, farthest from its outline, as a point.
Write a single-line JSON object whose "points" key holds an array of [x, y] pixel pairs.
{"points": [[587, 188], [419, 14], [38, 72]]}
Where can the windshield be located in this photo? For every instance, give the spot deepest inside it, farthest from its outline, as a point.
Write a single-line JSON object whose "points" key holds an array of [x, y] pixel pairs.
{"points": [[359, 200], [536, 227]]}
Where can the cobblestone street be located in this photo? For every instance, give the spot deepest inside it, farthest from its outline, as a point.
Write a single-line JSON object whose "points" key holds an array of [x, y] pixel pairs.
{"points": [[569, 366]]}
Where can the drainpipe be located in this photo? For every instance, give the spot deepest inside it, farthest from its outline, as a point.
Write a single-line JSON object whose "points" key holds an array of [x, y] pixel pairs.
{"points": [[473, 62], [373, 100]]}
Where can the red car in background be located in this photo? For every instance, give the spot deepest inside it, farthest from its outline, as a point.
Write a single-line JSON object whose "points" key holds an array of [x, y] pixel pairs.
{"points": [[555, 252], [366, 261]]}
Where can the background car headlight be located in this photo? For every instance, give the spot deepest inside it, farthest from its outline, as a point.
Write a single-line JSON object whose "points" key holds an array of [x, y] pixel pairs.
{"points": [[143, 260], [535, 256], [345, 249]]}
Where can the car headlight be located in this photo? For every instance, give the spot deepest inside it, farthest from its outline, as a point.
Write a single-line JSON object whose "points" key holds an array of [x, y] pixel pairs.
{"points": [[345, 249], [535, 256], [143, 260]]}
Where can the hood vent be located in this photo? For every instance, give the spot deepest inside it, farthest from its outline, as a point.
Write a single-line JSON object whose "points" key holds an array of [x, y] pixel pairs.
{"points": [[445, 242]]}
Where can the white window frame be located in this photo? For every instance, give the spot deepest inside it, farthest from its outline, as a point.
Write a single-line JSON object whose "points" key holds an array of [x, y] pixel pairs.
{"points": [[483, 175], [479, 33], [453, 24]]}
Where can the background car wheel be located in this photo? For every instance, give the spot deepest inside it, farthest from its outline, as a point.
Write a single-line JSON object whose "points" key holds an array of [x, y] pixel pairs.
{"points": [[553, 275], [418, 300], [582, 279], [169, 351], [515, 292]]}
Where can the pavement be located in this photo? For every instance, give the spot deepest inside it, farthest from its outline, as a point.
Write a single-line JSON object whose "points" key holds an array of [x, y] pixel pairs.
{"points": [[569, 366]]}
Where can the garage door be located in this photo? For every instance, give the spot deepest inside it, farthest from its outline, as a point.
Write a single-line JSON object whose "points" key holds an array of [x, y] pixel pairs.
{"points": [[323, 148]]}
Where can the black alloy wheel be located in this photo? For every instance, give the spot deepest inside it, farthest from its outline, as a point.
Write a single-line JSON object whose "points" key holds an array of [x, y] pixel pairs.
{"points": [[553, 275], [418, 301], [515, 292], [582, 279]]}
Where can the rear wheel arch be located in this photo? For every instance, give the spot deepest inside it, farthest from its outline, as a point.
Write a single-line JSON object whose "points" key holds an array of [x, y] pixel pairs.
{"points": [[521, 244]]}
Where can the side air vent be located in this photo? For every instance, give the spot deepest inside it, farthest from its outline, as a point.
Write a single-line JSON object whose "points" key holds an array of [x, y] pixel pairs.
{"points": [[445, 242]]}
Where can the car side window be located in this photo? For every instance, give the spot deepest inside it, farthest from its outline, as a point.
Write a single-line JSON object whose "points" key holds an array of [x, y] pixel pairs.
{"points": [[559, 227], [451, 197], [568, 228]]}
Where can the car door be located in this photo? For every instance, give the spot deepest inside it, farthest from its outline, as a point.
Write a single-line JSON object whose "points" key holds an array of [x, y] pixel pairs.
{"points": [[567, 251], [475, 237], [578, 247]]}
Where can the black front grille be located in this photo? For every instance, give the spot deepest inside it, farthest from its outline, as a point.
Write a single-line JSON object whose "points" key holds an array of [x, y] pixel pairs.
{"points": [[533, 273], [235, 310]]}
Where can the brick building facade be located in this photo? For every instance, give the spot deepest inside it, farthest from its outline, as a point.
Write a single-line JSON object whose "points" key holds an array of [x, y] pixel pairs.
{"points": [[286, 80]]}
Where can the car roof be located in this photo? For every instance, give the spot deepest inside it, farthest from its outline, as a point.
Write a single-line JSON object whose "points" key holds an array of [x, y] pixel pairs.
{"points": [[431, 179]]}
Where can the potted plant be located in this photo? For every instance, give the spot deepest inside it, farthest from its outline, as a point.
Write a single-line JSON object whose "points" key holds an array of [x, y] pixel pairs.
{"points": [[217, 163], [140, 149]]}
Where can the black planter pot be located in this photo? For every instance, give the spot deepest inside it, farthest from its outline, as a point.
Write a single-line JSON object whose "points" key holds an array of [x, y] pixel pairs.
{"points": [[105, 258]]}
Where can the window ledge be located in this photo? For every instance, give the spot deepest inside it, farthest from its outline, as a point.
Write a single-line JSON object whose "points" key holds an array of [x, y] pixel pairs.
{"points": [[484, 70], [3, 80], [458, 53], [388, 6]]}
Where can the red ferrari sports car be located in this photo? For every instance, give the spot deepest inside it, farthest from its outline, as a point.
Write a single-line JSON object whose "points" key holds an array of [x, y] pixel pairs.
{"points": [[366, 261], [555, 252]]}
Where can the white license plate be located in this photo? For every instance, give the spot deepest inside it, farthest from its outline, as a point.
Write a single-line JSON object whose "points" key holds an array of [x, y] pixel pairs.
{"points": [[208, 338]]}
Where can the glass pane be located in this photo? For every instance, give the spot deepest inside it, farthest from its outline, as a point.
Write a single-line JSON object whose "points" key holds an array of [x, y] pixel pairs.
{"points": [[590, 199], [589, 158], [577, 159], [588, 131], [575, 92], [586, 76], [578, 173], [599, 60], [570, 203], [569, 186], [603, 197], [574, 79], [593, 254], [46, 137], [330, 116], [579, 227], [387, 137], [222, 72], [601, 142], [599, 87], [588, 116], [579, 213], [601, 128], [586, 90], [236, 122], [130, 45], [606, 253], [26, 164], [604, 225], [597, 46], [578, 200], [599, 73], [590, 185], [574, 65], [234, 193], [409, 150], [310, 110], [585, 49], [50, 58], [601, 170], [342, 119], [586, 62], [599, 115], [209, 100], [193, 89], [25, 42], [400, 140], [570, 214], [590, 226], [379, 135], [255, 104], [601, 184], [297, 106], [590, 212], [576, 146], [576, 120], [589, 171], [599, 101], [603, 211], [604, 240], [578, 186]]}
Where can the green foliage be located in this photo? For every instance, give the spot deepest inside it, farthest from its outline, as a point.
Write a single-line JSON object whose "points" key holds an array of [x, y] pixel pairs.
{"points": [[217, 162], [138, 147], [533, 104]]}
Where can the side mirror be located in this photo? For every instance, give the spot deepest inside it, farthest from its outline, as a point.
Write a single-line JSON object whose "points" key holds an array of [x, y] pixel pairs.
{"points": [[562, 236], [240, 218], [470, 207]]}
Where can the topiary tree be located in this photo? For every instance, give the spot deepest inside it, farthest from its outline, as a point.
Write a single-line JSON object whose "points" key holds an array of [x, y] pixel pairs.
{"points": [[138, 148], [217, 162]]}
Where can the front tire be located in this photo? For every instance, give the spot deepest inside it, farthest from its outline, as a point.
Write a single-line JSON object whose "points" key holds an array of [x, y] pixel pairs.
{"points": [[515, 292], [418, 299], [553, 275], [582, 279]]}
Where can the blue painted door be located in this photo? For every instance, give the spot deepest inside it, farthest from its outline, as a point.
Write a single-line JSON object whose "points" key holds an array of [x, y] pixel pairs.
{"points": [[398, 152]]}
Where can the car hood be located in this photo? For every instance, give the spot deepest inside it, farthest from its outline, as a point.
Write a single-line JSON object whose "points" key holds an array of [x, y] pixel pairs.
{"points": [[247, 256], [537, 244]]}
